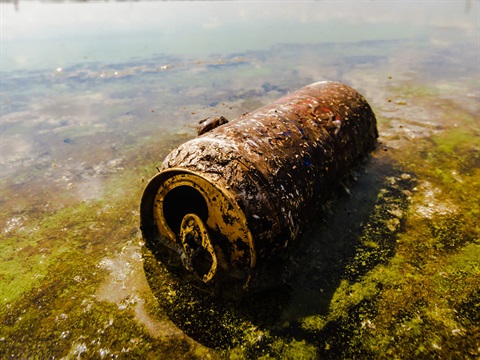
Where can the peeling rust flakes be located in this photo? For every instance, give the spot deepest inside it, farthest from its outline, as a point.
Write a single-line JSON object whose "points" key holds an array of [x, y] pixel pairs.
{"points": [[258, 179]]}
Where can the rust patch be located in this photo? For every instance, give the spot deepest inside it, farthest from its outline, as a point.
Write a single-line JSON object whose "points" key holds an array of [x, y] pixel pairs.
{"points": [[260, 177]]}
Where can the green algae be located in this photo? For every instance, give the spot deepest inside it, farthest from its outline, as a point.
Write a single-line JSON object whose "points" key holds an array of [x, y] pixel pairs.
{"points": [[416, 311], [414, 92], [56, 238]]}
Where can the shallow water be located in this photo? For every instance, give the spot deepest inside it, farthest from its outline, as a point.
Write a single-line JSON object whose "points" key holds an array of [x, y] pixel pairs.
{"points": [[95, 95]]}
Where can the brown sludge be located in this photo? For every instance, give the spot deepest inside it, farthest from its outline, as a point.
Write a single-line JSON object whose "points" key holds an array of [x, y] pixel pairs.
{"points": [[243, 191]]}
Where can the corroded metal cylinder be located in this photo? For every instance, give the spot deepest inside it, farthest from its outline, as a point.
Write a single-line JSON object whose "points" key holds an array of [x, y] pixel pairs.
{"points": [[243, 191]]}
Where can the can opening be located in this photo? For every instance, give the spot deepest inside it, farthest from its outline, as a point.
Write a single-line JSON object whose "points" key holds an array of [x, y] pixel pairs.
{"points": [[180, 201], [201, 223]]}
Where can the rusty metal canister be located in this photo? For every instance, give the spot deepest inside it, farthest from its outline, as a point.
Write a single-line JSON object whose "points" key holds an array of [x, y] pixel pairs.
{"points": [[243, 191]]}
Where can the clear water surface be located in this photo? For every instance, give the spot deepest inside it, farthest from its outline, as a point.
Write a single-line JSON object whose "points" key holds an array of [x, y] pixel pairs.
{"points": [[95, 95]]}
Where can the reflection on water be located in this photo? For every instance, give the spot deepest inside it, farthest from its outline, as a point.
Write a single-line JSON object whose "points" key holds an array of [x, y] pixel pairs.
{"points": [[94, 95]]}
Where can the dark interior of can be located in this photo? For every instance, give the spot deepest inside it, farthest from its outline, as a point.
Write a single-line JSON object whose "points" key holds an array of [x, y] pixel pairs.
{"points": [[181, 201]]}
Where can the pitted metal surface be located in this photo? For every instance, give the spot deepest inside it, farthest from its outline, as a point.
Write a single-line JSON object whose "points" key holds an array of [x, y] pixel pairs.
{"points": [[272, 170]]}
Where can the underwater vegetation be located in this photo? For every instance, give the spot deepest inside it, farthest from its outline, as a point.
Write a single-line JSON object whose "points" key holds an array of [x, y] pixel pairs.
{"points": [[390, 269], [402, 281]]}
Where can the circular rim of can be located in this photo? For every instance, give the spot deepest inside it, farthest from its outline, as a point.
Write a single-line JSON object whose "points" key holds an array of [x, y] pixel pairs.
{"points": [[152, 190]]}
